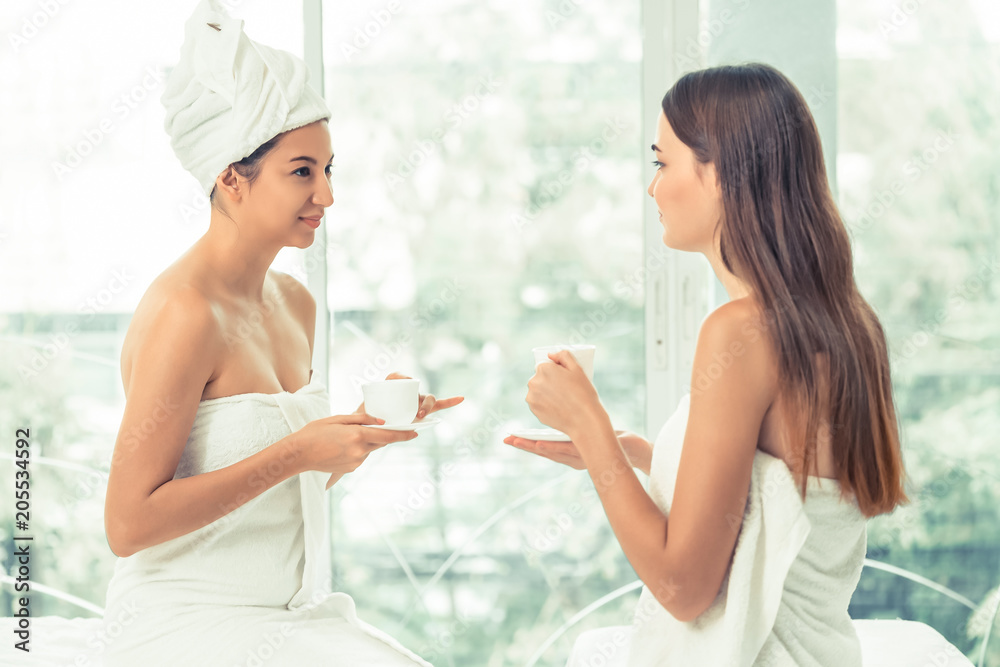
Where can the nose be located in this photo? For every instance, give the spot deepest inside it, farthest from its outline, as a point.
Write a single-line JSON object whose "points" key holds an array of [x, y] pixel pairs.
{"points": [[324, 193], [649, 190]]}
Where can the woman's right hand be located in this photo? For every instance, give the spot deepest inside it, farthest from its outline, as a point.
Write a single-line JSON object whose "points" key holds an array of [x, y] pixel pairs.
{"points": [[341, 443], [637, 448], [560, 452]]}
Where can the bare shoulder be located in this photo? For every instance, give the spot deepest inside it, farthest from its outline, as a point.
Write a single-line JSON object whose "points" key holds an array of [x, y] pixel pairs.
{"points": [[732, 316], [168, 303], [737, 336], [736, 364], [166, 310]]}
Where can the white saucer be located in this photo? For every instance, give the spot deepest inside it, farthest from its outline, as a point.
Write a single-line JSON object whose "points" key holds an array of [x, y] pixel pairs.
{"points": [[546, 434], [412, 426]]}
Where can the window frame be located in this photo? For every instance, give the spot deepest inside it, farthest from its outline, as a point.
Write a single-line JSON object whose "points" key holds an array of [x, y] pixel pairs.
{"points": [[679, 289], [678, 285]]}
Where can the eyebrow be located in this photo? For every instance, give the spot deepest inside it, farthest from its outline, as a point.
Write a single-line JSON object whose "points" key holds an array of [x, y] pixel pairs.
{"points": [[307, 159], [655, 148]]}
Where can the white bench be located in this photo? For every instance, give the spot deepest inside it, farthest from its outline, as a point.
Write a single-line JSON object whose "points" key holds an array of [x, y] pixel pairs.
{"points": [[78, 642]]}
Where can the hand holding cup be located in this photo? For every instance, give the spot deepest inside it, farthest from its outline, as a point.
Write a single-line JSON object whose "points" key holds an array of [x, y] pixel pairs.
{"points": [[561, 394], [426, 403], [339, 444]]}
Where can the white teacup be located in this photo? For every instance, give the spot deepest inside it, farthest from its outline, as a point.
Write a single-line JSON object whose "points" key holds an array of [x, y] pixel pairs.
{"points": [[584, 355], [395, 401]]}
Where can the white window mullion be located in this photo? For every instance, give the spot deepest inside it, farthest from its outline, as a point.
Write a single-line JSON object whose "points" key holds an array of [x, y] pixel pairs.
{"points": [[316, 273], [678, 285]]}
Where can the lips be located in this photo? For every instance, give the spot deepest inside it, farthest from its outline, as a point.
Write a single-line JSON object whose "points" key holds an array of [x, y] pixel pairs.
{"points": [[312, 222]]}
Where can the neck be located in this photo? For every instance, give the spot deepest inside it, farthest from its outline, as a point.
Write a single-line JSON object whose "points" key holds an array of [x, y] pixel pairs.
{"points": [[735, 288], [237, 259]]}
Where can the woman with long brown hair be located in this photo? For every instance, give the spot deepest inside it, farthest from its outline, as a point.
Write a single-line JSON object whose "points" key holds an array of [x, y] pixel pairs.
{"points": [[752, 537]]}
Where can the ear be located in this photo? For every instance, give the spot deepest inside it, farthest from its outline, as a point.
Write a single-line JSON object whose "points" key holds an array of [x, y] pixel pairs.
{"points": [[230, 184]]}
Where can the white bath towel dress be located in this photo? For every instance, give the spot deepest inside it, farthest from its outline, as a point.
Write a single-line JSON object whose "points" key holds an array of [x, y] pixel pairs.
{"points": [[783, 601], [254, 587]]}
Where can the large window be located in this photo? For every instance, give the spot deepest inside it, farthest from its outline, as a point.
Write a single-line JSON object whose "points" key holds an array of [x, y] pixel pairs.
{"points": [[488, 200], [490, 197], [919, 89]]}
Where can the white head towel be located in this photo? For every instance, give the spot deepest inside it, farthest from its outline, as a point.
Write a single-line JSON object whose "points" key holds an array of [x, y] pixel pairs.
{"points": [[228, 94]]}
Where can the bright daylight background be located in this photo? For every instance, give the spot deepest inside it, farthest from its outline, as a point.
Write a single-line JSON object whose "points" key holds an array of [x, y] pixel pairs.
{"points": [[480, 213]]}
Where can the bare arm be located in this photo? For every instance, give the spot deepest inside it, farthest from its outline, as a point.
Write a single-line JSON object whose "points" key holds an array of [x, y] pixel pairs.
{"points": [[181, 506], [683, 561], [684, 566], [145, 506]]}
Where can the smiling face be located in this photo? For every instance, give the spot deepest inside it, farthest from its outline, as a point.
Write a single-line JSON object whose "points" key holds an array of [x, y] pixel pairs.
{"points": [[293, 185], [687, 193]]}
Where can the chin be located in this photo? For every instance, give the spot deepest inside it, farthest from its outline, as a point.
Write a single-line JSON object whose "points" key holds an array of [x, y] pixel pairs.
{"points": [[673, 243]]}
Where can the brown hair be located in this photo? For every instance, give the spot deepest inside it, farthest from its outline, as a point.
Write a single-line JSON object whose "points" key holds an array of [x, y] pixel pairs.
{"points": [[782, 235], [250, 166]]}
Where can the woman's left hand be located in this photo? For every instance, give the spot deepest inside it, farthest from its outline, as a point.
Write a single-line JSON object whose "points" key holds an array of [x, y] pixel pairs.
{"points": [[562, 397], [428, 403]]}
